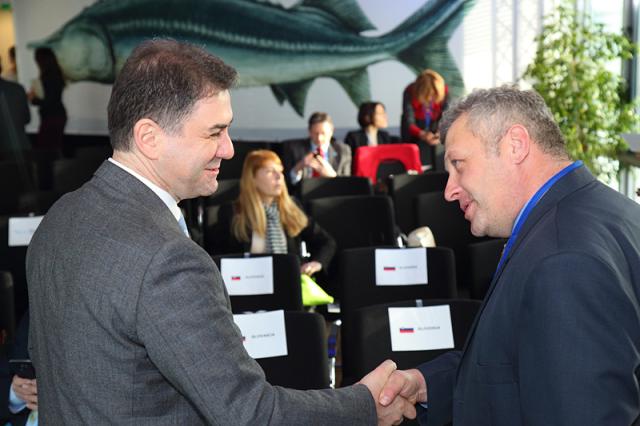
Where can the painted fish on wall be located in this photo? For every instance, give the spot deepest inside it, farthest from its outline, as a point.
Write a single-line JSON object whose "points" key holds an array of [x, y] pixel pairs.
{"points": [[283, 48]]}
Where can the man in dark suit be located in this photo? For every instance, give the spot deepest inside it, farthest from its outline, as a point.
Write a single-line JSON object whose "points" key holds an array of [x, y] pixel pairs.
{"points": [[557, 340], [319, 156], [130, 319], [14, 115]]}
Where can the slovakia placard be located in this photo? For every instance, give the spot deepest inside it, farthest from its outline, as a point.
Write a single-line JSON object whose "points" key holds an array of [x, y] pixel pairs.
{"points": [[263, 334], [248, 276], [421, 329], [401, 266]]}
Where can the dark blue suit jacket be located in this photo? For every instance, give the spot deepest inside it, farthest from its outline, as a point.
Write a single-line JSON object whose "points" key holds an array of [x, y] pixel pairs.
{"points": [[557, 340]]}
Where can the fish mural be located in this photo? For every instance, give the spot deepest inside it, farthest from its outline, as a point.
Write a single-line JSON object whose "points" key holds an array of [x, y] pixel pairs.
{"points": [[270, 45]]}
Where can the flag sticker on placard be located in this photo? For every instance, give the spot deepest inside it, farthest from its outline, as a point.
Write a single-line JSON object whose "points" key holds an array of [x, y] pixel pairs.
{"points": [[401, 266], [248, 276], [263, 334], [421, 329], [21, 230]]}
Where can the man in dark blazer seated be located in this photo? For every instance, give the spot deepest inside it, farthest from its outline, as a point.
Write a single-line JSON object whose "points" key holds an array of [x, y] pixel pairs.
{"points": [[130, 319], [318, 156], [557, 340]]}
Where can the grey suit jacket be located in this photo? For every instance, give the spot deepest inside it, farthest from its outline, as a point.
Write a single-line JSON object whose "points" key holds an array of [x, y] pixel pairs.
{"points": [[131, 324], [557, 341]]}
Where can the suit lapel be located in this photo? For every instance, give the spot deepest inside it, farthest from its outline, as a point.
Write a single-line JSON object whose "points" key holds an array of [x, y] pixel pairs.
{"points": [[565, 186]]}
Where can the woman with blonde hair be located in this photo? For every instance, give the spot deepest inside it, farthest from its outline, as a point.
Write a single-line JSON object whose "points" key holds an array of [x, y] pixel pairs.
{"points": [[265, 219], [422, 104]]}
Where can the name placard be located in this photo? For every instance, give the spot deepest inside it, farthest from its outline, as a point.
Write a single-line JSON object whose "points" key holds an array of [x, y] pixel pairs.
{"points": [[401, 266], [21, 230], [248, 276], [263, 334], [421, 329]]}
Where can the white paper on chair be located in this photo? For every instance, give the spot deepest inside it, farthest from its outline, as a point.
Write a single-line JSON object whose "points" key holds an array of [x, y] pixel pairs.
{"points": [[248, 276], [21, 230], [421, 329], [264, 334], [401, 267]]}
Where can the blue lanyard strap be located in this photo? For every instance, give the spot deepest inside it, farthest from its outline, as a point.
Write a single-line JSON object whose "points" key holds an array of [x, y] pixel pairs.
{"points": [[530, 206]]}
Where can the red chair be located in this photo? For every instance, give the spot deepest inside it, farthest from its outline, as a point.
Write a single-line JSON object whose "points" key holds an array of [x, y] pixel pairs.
{"points": [[368, 158]]}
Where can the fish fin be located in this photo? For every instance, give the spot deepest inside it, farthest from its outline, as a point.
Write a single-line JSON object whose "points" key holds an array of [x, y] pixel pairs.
{"points": [[436, 21], [347, 12], [355, 83], [295, 93]]}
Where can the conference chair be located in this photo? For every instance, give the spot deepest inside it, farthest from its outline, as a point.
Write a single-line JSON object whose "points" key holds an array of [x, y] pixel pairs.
{"points": [[15, 178], [450, 229], [367, 159], [483, 262], [356, 220], [69, 174], [306, 364], [7, 311], [232, 168], [206, 209], [404, 188], [359, 289], [12, 260], [320, 187], [287, 293], [371, 339]]}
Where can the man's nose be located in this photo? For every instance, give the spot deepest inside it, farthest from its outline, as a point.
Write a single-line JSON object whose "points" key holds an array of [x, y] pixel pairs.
{"points": [[452, 190], [225, 149]]}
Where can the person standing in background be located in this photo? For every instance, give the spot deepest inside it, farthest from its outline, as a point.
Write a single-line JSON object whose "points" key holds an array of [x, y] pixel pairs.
{"points": [[14, 115], [46, 93], [422, 104]]}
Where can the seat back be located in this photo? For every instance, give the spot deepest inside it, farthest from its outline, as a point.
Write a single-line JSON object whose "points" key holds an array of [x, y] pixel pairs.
{"points": [[359, 289], [320, 187], [287, 292], [367, 159], [371, 340], [355, 221], [7, 309], [306, 364], [404, 188], [12, 260], [207, 207], [232, 168], [483, 262]]}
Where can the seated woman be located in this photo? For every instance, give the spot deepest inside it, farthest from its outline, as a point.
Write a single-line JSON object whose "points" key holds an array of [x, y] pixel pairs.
{"points": [[265, 219], [372, 117]]}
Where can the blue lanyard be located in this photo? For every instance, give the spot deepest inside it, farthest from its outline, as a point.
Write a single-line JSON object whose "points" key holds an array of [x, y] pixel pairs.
{"points": [[530, 206]]}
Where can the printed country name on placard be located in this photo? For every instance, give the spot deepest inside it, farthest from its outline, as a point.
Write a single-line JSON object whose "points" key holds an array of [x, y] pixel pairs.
{"points": [[414, 329], [394, 268], [259, 336], [248, 277]]}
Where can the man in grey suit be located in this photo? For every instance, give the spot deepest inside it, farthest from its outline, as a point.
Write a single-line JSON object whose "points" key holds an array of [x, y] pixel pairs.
{"points": [[130, 319], [557, 340]]}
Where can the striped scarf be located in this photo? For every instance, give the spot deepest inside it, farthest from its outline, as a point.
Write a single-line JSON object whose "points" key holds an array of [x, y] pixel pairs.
{"points": [[276, 240]]}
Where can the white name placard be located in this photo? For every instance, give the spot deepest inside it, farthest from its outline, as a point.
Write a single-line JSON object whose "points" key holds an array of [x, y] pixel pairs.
{"points": [[264, 334], [21, 229], [248, 276], [401, 267], [421, 329]]}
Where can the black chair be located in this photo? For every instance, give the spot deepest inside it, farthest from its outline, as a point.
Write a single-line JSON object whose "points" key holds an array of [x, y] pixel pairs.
{"points": [[37, 202], [403, 189], [359, 289], [450, 229], [15, 178], [287, 292], [7, 310], [12, 259], [207, 208], [483, 262], [357, 220], [232, 168], [70, 174], [311, 189], [371, 339], [306, 364]]}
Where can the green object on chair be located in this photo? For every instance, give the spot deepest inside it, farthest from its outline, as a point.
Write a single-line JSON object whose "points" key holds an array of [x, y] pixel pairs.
{"points": [[312, 293]]}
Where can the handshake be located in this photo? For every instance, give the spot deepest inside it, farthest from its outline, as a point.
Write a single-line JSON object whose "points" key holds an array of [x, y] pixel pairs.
{"points": [[395, 392]]}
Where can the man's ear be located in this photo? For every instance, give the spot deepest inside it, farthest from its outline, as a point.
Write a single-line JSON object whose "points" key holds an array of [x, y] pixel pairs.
{"points": [[148, 137], [518, 143]]}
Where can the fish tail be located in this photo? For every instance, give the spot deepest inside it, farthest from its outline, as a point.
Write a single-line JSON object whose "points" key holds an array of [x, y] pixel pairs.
{"points": [[424, 37]]}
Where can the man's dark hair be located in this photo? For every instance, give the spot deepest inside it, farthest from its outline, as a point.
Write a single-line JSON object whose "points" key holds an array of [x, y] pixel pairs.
{"points": [[491, 112], [366, 112], [319, 117], [162, 80]]}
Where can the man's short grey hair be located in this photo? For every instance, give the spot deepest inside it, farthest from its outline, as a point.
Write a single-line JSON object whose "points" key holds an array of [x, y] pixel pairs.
{"points": [[491, 112]]}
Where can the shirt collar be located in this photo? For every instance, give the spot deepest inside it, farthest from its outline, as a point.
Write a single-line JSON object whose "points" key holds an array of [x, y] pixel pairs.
{"points": [[166, 198]]}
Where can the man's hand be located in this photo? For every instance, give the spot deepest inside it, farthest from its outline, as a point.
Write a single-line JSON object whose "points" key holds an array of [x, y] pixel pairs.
{"points": [[430, 137], [408, 384], [26, 390], [394, 411], [322, 167]]}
